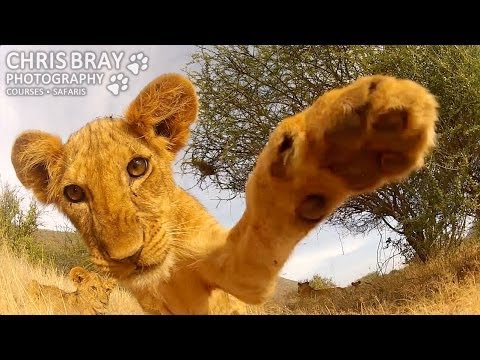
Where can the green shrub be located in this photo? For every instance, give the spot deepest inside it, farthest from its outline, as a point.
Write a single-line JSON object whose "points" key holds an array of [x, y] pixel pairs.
{"points": [[319, 282], [18, 226]]}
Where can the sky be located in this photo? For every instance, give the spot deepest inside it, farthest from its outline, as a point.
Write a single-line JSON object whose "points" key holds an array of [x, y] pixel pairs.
{"points": [[325, 251]]}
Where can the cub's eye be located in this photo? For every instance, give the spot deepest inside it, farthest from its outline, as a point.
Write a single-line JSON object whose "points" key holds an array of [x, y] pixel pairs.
{"points": [[94, 288], [137, 167], [74, 193]]}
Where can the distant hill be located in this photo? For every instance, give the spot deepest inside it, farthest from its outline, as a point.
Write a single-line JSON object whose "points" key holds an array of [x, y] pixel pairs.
{"points": [[56, 238], [66, 249], [284, 287]]}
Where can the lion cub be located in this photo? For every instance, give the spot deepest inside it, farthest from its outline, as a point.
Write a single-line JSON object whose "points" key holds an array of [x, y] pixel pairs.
{"points": [[90, 298]]}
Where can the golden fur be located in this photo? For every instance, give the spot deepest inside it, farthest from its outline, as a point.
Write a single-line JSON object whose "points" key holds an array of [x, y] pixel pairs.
{"points": [[158, 240], [90, 297]]}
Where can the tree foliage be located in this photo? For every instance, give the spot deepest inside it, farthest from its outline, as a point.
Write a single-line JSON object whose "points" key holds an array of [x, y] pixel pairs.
{"points": [[318, 282], [17, 225], [246, 90]]}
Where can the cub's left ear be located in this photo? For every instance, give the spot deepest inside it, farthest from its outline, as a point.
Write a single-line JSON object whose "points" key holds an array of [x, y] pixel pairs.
{"points": [[164, 108]]}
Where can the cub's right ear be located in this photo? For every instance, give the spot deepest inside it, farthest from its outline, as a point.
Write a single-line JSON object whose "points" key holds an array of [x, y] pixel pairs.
{"points": [[35, 158]]}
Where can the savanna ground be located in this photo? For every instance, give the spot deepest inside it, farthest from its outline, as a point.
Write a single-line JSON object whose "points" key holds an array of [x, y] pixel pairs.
{"points": [[18, 269], [447, 284]]}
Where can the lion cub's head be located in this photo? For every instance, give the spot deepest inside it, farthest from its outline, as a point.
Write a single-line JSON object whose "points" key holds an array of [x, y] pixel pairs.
{"points": [[113, 177], [93, 289], [304, 288], [91, 296]]}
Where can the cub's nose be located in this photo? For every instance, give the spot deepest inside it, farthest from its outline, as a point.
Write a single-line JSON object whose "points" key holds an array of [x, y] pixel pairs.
{"points": [[131, 259]]}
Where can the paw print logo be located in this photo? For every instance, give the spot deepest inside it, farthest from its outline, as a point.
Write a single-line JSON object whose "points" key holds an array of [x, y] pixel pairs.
{"points": [[118, 83], [138, 62]]}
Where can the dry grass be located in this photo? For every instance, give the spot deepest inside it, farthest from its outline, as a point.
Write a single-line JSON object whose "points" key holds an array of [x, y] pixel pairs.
{"points": [[448, 284], [17, 271]]}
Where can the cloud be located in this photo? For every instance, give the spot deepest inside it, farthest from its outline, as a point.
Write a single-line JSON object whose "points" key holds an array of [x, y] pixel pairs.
{"points": [[303, 265]]}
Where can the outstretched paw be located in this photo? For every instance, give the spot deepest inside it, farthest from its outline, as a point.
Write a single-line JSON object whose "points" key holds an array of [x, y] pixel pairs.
{"points": [[374, 131], [352, 140], [379, 129]]}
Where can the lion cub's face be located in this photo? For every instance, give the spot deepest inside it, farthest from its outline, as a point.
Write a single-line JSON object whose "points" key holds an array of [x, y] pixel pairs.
{"points": [[113, 177], [117, 190], [304, 288], [92, 288]]}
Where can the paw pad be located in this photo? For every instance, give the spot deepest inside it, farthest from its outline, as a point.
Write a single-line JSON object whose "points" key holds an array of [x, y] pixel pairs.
{"points": [[312, 208], [393, 121]]}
